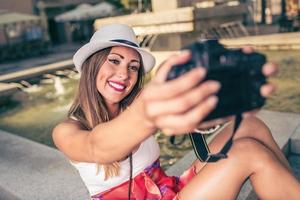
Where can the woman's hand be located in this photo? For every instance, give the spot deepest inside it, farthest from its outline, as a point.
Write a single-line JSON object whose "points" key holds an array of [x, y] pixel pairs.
{"points": [[178, 106], [269, 69]]}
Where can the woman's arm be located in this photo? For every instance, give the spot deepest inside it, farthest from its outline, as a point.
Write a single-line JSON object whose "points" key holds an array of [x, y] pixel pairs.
{"points": [[107, 142], [174, 106]]}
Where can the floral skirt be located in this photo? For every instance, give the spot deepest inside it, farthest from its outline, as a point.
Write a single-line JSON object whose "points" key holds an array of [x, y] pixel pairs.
{"points": [[151, 184]]}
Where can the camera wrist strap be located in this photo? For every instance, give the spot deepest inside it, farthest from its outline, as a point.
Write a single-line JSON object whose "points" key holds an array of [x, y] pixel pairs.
{"points": [[201, 148]]}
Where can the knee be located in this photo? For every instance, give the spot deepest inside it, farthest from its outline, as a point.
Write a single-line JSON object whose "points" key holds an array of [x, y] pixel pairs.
{"points": [[255, 128], [248, 151]]}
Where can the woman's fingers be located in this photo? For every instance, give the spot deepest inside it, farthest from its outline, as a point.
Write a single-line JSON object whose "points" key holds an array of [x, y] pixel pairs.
{"points": [[270, 69], [185, 101], [267, 90], [179, 96], [186, 122], [180, 105], [247, 49], [175, 87]]}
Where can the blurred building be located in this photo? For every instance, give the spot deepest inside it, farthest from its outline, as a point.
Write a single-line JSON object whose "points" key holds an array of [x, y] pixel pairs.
{"points": [[269, 11], [49, 9], [175, 23], [78, 23], [285, 13], [22, 6], [138, 6], [259, 11], [21, 35]]}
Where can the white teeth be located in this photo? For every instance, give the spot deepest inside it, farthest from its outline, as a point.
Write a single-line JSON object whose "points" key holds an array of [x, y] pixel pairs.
{"points": [[115, 85]]}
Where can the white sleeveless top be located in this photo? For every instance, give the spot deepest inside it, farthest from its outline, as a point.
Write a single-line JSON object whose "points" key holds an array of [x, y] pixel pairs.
{"points": [[147, 153]]}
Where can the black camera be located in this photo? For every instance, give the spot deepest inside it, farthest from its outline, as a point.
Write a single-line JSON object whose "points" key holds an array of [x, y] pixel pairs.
{"points": [[240, 75]]}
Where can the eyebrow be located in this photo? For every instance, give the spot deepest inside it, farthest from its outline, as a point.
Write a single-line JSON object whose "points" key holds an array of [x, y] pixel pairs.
{"points": [[133, 60]]}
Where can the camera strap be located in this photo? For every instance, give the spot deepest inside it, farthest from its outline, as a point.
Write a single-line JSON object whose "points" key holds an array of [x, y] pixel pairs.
{"points": [[201, 148]]}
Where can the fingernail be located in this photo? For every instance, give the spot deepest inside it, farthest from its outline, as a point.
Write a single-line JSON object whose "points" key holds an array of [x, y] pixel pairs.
{"points": [[267, 90], [270, 69], [201, 71], [215, 85], [185, 52], [212, 101]]}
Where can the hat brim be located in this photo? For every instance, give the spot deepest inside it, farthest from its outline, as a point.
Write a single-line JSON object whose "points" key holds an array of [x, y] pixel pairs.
{"points": [[90, 48]]}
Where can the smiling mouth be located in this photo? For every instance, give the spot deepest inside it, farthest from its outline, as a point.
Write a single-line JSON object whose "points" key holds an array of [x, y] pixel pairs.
{"points": [[116, 86]]}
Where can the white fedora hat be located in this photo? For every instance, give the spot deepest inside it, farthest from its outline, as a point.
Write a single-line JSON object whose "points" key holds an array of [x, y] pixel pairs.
{"points": [[109, 36]]}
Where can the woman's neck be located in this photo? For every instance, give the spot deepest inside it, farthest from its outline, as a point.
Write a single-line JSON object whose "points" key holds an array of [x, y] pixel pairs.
{"points": [[114, 110]]}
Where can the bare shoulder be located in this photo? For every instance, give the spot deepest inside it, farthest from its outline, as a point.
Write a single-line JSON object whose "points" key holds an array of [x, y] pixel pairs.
{"points": [[71, 139], [65, 131], [66, 127]]}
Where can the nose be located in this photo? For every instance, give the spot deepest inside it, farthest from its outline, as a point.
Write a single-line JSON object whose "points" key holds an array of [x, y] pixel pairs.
{"points": [[123, 72]]}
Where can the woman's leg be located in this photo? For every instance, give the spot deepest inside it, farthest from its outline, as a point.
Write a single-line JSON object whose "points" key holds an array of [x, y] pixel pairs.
{"points": [[246, 158], [251, 127]]}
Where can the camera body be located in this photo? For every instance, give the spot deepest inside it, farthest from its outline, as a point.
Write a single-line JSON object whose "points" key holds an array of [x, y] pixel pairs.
{"points": [[240, 75]]}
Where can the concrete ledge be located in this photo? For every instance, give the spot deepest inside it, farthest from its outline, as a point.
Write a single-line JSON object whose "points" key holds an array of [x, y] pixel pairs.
{"points": [[29, 170], [282, 125], [295, 142], [5, 195], [270, 41], [8, 89], [294, 160], [36, 71]]}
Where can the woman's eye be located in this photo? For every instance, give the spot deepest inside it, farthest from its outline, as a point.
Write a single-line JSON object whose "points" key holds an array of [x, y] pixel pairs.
{"points": [[133, 68], [114, 61]]}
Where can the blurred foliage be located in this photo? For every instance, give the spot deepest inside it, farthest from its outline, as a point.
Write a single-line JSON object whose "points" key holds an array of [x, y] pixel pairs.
{"points": [[287, 96]]}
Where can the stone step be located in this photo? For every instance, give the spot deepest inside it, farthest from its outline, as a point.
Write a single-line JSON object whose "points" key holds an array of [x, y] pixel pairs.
{"points": [[29, 171], [294, 160], [36, 71], [5, 195], [295, 142], [8, 89]]}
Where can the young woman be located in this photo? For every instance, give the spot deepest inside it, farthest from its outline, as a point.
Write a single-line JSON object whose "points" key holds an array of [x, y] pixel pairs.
{"points": [[108, 136]]}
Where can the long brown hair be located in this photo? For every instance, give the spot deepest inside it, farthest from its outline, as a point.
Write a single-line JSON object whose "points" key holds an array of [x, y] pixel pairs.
{"points": [[89, 107]]}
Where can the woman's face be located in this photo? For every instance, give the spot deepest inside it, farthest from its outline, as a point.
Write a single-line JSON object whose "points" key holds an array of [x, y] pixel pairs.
{"points": [[118, 74]]}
